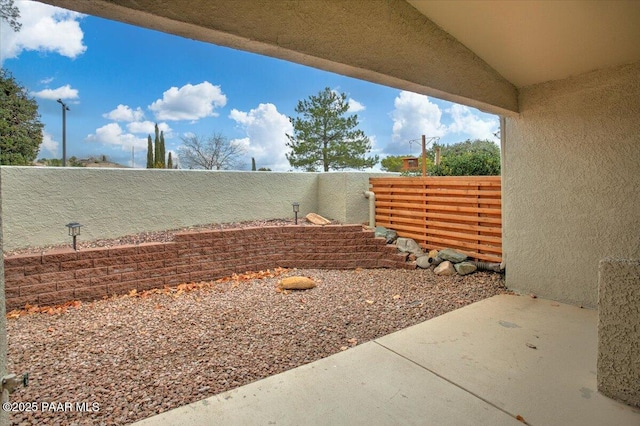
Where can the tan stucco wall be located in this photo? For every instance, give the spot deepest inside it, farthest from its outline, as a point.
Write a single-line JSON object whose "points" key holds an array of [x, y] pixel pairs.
{"points": [[571, 183], [619, 330], [38, 202], [343, 193]]}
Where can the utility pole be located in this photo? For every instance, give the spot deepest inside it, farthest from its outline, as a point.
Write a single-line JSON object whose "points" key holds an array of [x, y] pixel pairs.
{"points": [[65, 108]]}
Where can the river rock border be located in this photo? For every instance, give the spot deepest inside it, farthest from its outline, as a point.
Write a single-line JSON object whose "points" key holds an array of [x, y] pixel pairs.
{"points": [[62, 275]]}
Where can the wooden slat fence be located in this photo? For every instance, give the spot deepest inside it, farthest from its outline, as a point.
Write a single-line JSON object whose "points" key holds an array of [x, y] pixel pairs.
{"points": [[461, 212]]}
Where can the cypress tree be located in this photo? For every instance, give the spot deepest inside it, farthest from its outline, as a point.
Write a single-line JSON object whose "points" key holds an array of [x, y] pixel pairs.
{"points": [[169, 162], [149, 153], [156, 152], [163, 164]]}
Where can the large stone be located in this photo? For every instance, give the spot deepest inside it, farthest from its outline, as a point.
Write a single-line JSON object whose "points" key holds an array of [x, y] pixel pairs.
{"points": [[445, 268], [433, 253], [464, 268], [380, 231], [452, 256], [391, 236], [423, 262], [317, 219], [407, 245]]}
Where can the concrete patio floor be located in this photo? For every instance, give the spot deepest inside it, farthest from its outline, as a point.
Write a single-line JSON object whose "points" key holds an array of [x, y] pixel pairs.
{"points": [[491, 363]]}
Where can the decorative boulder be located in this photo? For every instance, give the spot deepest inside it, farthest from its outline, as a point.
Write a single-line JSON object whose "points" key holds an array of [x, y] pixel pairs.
{"points": [[445, 268], [407, 245], [380, 231], [296, 283], [464, 268], [423, 262], [452, 256], [433, 253], [391, 236], [316, 219]]}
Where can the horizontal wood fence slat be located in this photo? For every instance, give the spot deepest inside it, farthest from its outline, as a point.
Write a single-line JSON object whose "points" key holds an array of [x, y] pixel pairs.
{"points": [[461, 212]]}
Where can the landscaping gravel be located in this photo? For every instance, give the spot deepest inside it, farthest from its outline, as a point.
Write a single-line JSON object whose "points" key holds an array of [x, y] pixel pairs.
{"points": [[160, 236], [134, 356]]}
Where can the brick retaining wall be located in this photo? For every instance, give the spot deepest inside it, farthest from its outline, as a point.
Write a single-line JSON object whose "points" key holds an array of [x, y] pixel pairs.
{"points": [[63, 275]]}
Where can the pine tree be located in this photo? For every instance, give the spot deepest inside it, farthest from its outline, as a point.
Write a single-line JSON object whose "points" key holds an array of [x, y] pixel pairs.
{"points": [[169, 162], [326, 135], [149, 153]]}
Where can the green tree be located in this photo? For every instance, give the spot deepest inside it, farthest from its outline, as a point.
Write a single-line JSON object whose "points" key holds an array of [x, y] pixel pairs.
{"points": [[20, 126], [392, 163], [163, 165], [149, 153], [156, 151], [324, 136], [10, 14], [170, 161], [468, 158]]}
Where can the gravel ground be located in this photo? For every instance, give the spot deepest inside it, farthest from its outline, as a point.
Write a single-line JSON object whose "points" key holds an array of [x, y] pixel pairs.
{"points": [[158, 236], [139, 355], [142, 354]]}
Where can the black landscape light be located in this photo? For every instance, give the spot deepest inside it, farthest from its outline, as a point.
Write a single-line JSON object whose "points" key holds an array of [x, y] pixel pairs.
{"points": [[296, 209], [74, 231]]}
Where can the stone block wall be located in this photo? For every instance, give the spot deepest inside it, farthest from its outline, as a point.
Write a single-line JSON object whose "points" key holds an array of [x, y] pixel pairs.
{"points": [[62, 275]]}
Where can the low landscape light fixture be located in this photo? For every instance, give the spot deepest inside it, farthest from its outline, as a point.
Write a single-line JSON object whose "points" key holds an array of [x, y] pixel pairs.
{"points": [[74, 231], [296, 209]]}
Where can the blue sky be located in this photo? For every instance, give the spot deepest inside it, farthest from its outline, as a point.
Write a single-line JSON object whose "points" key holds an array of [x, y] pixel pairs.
{"points": [[118, 80]]}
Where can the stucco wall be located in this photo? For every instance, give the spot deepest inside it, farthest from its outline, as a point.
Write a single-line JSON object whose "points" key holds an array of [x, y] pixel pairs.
{"points": [[38, 202], [343, 193], [619, 330], [571, 183]]}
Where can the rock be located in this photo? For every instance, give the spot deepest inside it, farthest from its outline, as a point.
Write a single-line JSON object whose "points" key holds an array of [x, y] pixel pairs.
{"points": [[423, 262], [391, 236], [407, 245], [445, 268], [380, 231], [452, 256], [296, 283], [317, 219], [464, 268], [435, 261], [433, 253]]}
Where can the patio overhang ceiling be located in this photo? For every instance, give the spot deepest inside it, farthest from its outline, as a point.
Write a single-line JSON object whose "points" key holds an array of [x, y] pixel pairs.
{"points": [[477, 53]]}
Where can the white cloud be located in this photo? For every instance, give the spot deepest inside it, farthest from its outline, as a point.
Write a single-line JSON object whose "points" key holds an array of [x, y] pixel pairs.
{"points": [[113, 135], [189, 102], [414, 115], [46, 80], [266, 138], [125, 113], [49, 147], [148, 128], [471, 125], [355, 106], [62, 92], [44, 29]]}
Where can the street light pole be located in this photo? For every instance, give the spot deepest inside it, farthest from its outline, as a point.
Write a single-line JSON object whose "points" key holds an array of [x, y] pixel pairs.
{"points": [[65, 108]]}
